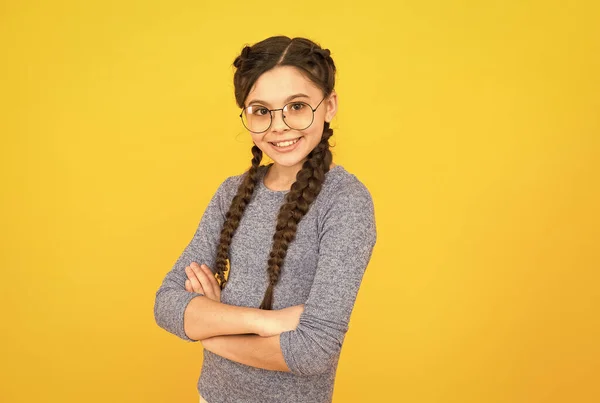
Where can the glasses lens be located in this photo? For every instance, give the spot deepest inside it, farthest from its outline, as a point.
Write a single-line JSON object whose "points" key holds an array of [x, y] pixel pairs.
{"points": [[256, 118], [298, 115]]}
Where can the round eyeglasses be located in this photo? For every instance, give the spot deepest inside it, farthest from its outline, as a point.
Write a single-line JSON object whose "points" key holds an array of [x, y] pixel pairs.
{"points": [[297, 115]]}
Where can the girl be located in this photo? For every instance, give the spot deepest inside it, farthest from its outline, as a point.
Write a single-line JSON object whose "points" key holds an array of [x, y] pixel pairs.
{"points": [[269, 280]]}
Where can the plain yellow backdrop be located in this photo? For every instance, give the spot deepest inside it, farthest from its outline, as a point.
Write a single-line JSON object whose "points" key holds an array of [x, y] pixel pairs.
{"points": [[475, 125]]}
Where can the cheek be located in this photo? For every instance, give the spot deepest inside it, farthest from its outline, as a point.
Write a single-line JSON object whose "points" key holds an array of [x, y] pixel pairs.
{"points": [[315, 130], [258, 140]]}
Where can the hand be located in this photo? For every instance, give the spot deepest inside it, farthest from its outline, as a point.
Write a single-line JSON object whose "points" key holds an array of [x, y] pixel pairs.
{"points": [[202, 280], [281, 320]]}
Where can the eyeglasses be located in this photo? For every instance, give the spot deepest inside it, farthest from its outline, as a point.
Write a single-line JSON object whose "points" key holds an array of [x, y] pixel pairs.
{"points": [[297, 115]]}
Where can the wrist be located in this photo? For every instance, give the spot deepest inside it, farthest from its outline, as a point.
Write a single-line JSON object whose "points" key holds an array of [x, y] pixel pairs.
{"points": [[206, 343], [259, 320]]}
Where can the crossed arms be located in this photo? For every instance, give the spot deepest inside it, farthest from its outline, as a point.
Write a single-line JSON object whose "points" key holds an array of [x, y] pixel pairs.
{"points": [[223, 329], [305, 342]]}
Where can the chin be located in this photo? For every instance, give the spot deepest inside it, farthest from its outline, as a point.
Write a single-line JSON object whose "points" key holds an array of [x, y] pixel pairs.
{"points": [[285, 162]]}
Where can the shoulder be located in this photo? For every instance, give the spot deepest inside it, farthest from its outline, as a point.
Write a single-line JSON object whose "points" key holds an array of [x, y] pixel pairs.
{"points": [[225, 192], [229, 186], [347, 210], [347, 203], [344, 190]]}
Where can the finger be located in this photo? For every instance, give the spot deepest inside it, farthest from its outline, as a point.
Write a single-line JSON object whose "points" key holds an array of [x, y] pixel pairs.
{"points": [[204, 280], [195, 283], [188, 287], [213, 281]]}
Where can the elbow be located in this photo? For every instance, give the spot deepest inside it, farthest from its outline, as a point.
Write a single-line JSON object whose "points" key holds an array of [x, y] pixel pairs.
{"points": [[159, 314], [320, 365], [314, 362], [311, 353]]}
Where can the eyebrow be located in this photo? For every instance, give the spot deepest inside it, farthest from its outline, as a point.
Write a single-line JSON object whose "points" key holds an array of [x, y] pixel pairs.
{"points": [[288, 99]]}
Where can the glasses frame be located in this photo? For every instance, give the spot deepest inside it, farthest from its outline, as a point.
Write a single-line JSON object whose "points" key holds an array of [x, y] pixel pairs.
{"points": [[283, 116]]}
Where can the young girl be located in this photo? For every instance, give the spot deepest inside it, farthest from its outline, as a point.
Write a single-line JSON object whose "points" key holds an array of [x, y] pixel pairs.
{"points": [[269, 280]]}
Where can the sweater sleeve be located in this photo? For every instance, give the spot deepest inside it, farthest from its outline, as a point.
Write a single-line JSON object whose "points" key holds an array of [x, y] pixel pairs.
{"points": [[347, 239], [172, 298]]}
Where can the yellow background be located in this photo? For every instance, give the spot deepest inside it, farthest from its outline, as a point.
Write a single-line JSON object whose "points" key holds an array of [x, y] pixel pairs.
{"points": [[475, 125]]}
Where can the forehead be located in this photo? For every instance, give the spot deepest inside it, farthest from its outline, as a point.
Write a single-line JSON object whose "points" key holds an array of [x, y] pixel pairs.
{"points": [[275, 85]]}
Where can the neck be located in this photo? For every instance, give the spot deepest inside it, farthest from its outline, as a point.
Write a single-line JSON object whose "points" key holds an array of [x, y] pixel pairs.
{"points": [[280, 177]]}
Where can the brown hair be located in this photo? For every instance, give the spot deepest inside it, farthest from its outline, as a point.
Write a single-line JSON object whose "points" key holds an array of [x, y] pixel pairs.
{"points": [[316, 64]]}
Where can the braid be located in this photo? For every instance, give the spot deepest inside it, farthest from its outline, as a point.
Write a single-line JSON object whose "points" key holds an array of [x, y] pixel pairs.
{"points": [[298, 200], [233, 216], [245, 55]]}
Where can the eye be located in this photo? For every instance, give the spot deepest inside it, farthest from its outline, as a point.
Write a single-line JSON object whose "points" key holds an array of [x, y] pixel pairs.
{"points": [[258, 110], [297, 106]]}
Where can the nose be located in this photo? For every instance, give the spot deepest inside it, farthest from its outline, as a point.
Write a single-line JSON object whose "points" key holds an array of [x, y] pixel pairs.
{"points": [[278, 125]]}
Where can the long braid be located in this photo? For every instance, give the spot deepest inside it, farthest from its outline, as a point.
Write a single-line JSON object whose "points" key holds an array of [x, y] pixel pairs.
{"points": [[304, 191], [233, 216]]}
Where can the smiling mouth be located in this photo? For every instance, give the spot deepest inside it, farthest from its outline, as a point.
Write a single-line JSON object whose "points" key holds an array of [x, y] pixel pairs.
{"points": [[286, 143]]}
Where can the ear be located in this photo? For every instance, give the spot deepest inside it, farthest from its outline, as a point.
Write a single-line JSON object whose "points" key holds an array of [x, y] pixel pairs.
{"points": [[331, 104]]}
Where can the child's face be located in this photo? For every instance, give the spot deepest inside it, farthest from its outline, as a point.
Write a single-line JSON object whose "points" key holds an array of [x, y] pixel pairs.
{"points": [[274, 89]]}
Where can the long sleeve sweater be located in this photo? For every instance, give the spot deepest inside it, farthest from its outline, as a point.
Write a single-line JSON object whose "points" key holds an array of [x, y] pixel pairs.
{"points": [[323, 270]]}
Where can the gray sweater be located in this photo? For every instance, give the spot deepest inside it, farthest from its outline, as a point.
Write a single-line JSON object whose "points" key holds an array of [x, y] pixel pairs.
{"points": [[323, 269]]}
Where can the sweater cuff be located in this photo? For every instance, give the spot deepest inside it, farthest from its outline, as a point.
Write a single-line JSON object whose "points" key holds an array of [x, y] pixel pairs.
{"points": [[170, 309]]}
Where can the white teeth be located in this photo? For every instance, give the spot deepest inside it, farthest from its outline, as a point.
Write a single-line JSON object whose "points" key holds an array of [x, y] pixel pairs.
{"points": [[286, 143]]}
